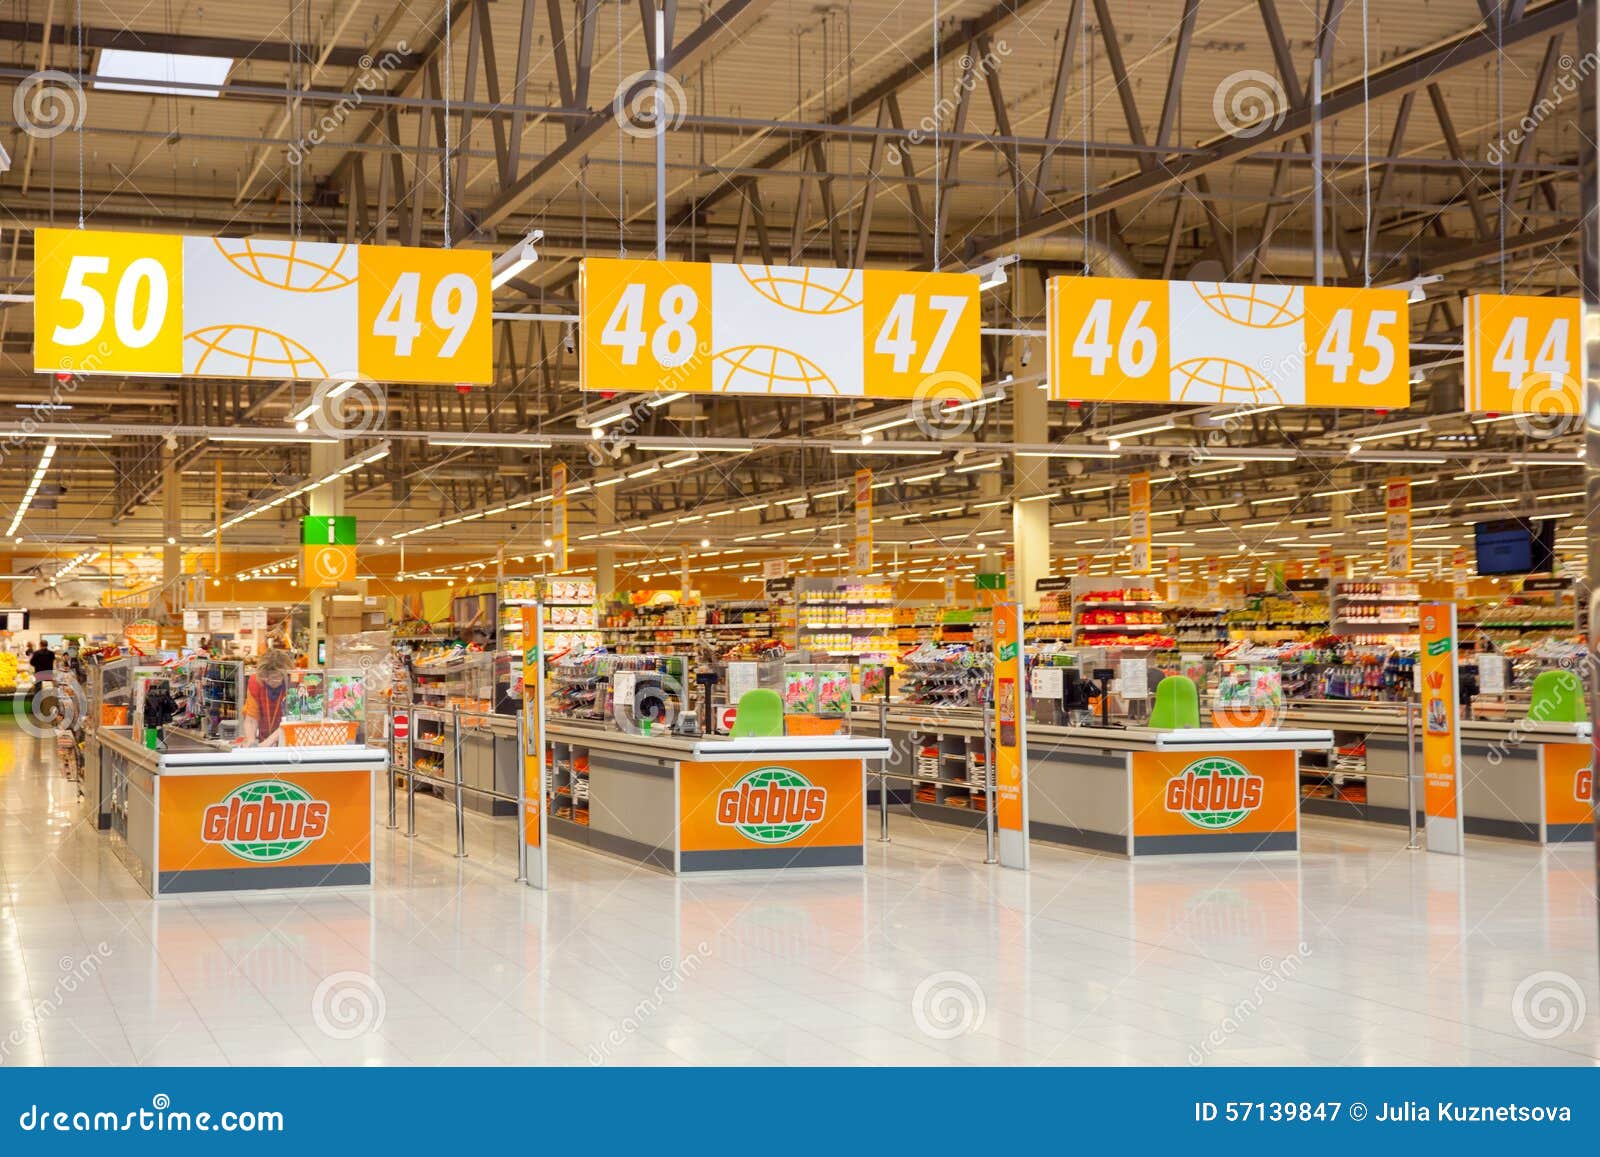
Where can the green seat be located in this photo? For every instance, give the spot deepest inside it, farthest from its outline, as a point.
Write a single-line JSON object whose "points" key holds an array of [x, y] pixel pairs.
{"points": [[1557, 697], [1177, 704], [759, 715]]}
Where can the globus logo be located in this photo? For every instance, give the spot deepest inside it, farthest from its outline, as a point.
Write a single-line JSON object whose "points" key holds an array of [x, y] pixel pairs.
{"points": [[772, 805], [265, 821], [1215, 793], [1583, 784]]}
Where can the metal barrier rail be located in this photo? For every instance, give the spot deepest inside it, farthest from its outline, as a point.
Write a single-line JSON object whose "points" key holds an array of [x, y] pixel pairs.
{"points": [[456, 785], [991, 855]]}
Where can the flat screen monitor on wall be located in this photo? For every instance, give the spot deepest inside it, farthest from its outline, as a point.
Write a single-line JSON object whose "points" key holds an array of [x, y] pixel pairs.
{"points": [[1515, 546]]}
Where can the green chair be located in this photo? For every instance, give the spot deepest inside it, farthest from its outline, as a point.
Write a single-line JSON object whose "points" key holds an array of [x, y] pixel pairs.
{"points": [[1557, 697], [759, 715], [1177, 704]]}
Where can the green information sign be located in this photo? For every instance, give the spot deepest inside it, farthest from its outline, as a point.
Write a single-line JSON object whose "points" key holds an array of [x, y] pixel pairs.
{"points": [[328, 530], [984, 581]]}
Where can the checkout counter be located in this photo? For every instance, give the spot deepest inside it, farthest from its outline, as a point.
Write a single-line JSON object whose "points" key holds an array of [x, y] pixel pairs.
{"points": [[1134, 791], [1523, 780], [697, 804], [205, 817]]}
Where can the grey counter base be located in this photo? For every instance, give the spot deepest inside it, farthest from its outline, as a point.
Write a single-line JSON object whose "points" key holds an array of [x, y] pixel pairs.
{"points": [[262, 879], [745, 859], [1568, 834], [1216, 842], [620, 846]]}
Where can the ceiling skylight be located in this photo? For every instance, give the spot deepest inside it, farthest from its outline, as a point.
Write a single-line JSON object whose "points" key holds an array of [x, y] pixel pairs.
{"points": [[172, 71]]}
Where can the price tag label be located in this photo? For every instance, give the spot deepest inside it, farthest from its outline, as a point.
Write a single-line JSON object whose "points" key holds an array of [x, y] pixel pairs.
{"points": [[1123, 340], [107, 303], [1522, 354], [424, 315]]}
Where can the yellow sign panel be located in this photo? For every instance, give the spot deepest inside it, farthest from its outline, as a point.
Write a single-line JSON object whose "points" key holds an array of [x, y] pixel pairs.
{"points": [[327, 566], [676, 326], [558, 515], [1397, 529], [1522, 354], [863, 555], [1139, 523], [252, 307], [425, 315], [107, 303], [1211, 343]]}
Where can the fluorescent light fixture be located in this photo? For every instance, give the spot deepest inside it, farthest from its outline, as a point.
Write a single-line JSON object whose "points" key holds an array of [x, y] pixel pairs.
{"points": [[1394, 432], [495, 441], [888, 425], [753, 507], [974, 467], [1072, 452], [643, 472], [1274, 498], [168, 72], [655, 402], [1039, 497], [872, 450], [1335, 493], [606, 415], [1215, 473], [514, 260], [599, 482], [1405, 456], [274, 439], [1241, 456], [1092, 489], [929, 477], [1138, 432], [1558, 497], [945, 510], [680, 460], [57, 435], [1486, 474], [991, 504]]}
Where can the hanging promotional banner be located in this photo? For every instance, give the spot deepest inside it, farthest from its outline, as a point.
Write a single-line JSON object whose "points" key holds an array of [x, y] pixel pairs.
{"points": [[1441, 732], [1206, 342], [1459, 572], [327, 550], [1325, 561], [679, 326], [558, 516], [249, 307], [1081, 566], [1010, 738], [1522, 354], [1139, 523], [1397, 537], [1213, 578], [863, 559], [1174, 584], [534, 812]]}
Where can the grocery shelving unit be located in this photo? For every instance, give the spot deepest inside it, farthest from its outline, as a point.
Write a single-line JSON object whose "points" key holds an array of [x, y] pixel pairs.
{"points": [[1120, 614], [846, 618]]}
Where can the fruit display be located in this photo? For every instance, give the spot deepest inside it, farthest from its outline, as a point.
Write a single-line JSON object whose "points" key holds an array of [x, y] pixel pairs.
{"points": [[8, 669]]}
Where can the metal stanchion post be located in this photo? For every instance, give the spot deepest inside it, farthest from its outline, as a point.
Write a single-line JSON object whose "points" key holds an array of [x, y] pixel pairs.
{"points": [[883, 764], [1412, 844], [990, 854], [522, 792], [461, 815], [388, 771]]}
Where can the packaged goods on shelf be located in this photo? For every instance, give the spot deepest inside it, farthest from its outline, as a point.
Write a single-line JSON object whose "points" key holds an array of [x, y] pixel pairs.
{"points": [[952, 675]]}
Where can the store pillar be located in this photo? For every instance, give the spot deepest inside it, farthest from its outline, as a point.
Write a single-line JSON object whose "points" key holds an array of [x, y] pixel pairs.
{"points": [[1030, 519], [605, 557]]}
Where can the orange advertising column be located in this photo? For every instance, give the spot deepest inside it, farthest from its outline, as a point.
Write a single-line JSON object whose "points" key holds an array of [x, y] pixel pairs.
{"points": [[1441, 728], [1010, 738], [536, 855]]}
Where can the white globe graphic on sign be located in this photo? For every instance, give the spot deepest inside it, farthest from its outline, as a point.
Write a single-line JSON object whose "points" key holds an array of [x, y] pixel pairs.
{"points": [[765, 369], [234, 351], [1252, 306], [814, 291], [1218, 379]]}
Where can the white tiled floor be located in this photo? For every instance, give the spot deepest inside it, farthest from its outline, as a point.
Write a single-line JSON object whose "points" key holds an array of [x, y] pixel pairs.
{"points": [[1359, 952]]}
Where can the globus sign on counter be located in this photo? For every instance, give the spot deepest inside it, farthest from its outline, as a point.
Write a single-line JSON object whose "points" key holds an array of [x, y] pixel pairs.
{"points": [[1568, 770], [279, 830], [756, 814], [1244, 800], [679, 326], [1205, 342], [248, 307]]}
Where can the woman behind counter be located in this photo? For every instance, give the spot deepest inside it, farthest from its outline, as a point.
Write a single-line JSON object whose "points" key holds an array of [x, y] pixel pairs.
{"points": [[264, 698]]}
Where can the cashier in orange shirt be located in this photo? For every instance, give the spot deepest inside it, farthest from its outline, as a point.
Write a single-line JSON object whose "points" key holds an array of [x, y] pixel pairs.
{"points": [[264, 697]]}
